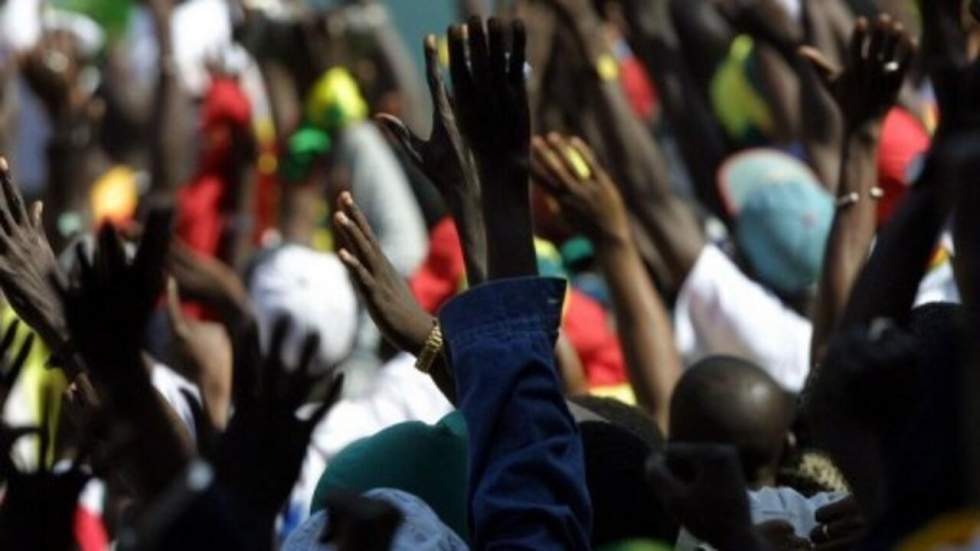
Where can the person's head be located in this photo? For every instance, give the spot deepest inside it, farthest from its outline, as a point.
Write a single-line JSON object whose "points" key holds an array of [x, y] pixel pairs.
{"points": [[427, 461], [782, 218], [625, 416], [727, 400], [314, 291]]}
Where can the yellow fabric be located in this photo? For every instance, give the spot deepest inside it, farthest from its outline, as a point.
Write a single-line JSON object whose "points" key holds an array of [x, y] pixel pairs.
{"points": [[958, 529], [739, 106], [623, 393], [607, 67], [40, 387], [335, 101], [114, 196]]}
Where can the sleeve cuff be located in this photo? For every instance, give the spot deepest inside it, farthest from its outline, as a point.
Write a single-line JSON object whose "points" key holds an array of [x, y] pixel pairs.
{"points": [[504, 308]]}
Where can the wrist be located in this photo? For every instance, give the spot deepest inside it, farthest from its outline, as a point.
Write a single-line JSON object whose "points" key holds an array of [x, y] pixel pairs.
{"points": [[865, 133]]}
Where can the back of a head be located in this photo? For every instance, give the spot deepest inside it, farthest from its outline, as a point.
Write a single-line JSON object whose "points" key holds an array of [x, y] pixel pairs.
{"points": [[624, 416], [624, 506], [731, 401]]}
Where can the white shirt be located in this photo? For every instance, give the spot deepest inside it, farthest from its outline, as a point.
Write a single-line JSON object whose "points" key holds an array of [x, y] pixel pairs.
{"points": [[721, 311], [397, 393], [768, 504]]}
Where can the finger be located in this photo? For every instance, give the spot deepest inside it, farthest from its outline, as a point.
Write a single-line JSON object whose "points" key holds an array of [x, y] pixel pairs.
{"points": [[551, 157], [879, 35], [280, 330], [458, 62], [858, 42], [574, 163], [433, 76], [542, 174], [498, 50], [110, 255], [396, 130], [479, 53], [583, 149], [333, 396], [826, 70], [517, 53], [6, 219], [311, 346], [892, 39], [86, 274], [361, 275], [37, 214], [359, 243], [153, 249], [14, 201]]}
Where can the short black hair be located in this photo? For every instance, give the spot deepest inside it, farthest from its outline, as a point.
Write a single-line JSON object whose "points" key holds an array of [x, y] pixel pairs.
{"points": [[625, 416], [728, 400]]}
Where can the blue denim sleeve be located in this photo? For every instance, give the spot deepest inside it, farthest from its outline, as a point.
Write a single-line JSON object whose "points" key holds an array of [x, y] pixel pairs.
{"points": [[527, 473]]}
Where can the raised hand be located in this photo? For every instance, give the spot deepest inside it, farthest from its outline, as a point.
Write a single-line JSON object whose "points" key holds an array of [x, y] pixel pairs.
{"points": [[493, 113], [868, 87], [568, 170], [491, 99], [385, 293], [704, 487], [448, 162], [108, 310], [259, 457], [27, 264]]}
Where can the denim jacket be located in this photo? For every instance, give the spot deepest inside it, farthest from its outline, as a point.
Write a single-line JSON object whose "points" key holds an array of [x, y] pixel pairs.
{"points": [[527, 486]]}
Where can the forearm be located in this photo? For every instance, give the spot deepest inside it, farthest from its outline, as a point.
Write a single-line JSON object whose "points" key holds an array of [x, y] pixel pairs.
{"points": [[467, 214], [890, 280], [643, 327], [850, 236], [166, 136], [702, 142], [507, 218]]}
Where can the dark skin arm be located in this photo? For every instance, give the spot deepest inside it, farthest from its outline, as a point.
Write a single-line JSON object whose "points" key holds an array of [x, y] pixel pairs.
{"points": [[670, 223], [446, 159], [389, 301], [865, 91], [701, 140], [492, 110], [569, 171], [107, 314], [164, 121]]}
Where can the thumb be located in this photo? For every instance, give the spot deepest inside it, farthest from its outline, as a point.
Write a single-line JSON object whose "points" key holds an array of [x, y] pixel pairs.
{"points": [[826, 70], [37, 212], [396, 130]]}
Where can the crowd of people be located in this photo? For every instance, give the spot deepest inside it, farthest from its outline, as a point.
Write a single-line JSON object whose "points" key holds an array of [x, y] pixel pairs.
{"points": [[632, 275]]}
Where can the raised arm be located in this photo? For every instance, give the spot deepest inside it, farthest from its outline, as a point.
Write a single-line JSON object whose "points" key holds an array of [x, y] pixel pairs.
{"points": [[639, 166], [569, 171], [447, 161], [865, 91]]}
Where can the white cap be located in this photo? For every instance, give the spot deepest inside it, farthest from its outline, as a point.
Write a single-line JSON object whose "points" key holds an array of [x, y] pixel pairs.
{"points": [[313, 289]]}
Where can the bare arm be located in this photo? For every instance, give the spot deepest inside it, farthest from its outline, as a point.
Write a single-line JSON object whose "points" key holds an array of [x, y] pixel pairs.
{"points": [[865, 92], [568, 170]]}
